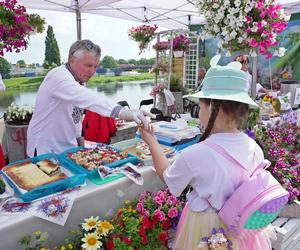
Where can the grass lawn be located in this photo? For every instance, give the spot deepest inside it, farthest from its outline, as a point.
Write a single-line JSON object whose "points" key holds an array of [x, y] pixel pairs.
{"points": [[33, 82]]}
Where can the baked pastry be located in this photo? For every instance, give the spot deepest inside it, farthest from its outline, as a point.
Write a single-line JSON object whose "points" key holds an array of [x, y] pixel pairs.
{"points": [[48, 167], [28, 176]]}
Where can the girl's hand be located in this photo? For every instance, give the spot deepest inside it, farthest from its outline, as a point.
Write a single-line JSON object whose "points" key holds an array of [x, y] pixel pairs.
{"points": [[148, 135]]}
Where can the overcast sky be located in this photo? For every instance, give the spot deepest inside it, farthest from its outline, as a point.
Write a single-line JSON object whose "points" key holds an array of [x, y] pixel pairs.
{"points": [[109, 33]]}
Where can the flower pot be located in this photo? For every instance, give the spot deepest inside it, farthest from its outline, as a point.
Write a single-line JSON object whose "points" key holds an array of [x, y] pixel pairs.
{"points": [[178, 53], [16, 139]]}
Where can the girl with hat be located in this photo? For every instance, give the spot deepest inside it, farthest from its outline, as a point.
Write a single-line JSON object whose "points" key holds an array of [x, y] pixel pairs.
{"points": [[224, 104]]}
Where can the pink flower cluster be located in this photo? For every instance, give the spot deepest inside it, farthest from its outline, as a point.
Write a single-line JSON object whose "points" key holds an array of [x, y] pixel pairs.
{"points": [[157, 89], [263, 23], [281, 145], [14, 27], [142, 34], [181, 42], [163, 206], [159, 46]]}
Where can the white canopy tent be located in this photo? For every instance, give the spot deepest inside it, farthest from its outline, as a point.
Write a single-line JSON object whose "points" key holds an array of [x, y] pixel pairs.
{"points": [[175, 14]]}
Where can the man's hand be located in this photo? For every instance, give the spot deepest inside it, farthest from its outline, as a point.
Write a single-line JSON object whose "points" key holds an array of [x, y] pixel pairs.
{"points": [[137, 115]]}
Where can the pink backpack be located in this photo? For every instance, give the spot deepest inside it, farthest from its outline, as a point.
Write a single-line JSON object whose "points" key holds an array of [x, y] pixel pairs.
{"points": [[255, 203]]}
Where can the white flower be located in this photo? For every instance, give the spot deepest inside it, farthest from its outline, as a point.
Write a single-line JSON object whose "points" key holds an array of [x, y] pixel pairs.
{"points": [[91, 242], [90, 223], [280, 52]]}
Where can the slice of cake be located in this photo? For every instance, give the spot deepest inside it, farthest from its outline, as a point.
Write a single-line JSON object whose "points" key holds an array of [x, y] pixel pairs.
{"points": [[27, 175], [48, 167]]}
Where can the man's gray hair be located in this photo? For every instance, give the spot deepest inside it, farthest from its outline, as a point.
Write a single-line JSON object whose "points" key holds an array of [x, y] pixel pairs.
{"points": [[79, 48]]}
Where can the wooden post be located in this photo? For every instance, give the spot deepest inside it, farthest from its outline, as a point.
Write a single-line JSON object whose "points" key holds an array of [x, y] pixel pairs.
{"points": [[254, 75]]}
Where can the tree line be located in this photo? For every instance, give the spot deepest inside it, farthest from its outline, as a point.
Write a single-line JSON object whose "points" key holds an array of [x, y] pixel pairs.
{"points": [[52, 58]]}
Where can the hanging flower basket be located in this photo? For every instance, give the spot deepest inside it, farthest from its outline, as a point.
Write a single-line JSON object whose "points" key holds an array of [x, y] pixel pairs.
{"points": [[16, 26], [178, 53], [143, 35], [243, 25]]}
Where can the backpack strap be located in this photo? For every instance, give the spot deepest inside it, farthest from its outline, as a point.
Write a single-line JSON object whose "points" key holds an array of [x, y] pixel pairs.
{"points": [[225, 154]]}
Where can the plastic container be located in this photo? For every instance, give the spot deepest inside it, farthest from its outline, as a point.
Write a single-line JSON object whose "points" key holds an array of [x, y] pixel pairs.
{"points": [[94, 173], [130, 147], [75, 179]]}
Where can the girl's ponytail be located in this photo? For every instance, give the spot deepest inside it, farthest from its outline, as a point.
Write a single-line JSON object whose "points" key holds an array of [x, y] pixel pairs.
{"points": [[215, 107]]}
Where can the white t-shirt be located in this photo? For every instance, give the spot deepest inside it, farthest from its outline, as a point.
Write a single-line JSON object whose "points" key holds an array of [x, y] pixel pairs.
{"points": [[57, 118], [258, 85], [212, 177]]}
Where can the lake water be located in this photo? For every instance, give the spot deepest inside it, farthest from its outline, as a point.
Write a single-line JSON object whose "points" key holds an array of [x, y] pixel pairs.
{"points": [[132, 92]]}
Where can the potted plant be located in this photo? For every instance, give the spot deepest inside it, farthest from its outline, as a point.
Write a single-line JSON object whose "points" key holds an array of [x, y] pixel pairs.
{"points": [[176, 87], [16, 120], [180, 44]]}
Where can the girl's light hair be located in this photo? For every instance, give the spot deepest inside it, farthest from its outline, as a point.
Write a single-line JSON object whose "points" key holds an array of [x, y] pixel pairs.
{"points": [[81, 47]]}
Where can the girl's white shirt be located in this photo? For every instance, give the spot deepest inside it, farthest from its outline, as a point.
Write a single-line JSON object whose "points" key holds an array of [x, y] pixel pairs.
{"points": [[212, 177]]}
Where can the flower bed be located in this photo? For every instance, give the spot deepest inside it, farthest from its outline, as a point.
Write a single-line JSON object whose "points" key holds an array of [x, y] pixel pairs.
{"points": [[142, 224], [281, 145]]}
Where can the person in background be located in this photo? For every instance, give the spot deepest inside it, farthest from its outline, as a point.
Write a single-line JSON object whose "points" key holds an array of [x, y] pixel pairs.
{"points": [[2, 85], [244, 60], [201, 75], [56, 124], [224, 105]]}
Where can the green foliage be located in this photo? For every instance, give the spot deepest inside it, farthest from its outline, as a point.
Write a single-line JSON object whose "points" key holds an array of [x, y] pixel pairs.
{"points": [[37, 22], [122, 61], [52, 55], [252, 119], [109, 62], [21, 64], [175, 83], [5, 66]]}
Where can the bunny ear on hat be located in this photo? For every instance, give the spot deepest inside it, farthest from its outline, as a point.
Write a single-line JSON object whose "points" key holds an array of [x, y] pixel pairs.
{"points": [[214, 61]]}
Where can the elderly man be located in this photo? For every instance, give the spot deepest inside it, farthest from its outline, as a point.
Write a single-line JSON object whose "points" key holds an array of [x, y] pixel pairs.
{"points": [[61, 98]]}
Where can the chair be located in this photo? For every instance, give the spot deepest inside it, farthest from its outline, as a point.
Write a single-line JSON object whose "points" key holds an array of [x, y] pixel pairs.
{"points": [[146, 102], [123, 104]]}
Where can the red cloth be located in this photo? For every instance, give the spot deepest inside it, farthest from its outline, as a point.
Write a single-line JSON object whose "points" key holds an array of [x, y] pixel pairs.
{"points": [[98, 128], [2, 160]]}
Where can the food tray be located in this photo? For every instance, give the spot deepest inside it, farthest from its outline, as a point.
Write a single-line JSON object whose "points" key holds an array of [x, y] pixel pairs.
{"points": [[74, 179], [130, 147], [94, 173]]}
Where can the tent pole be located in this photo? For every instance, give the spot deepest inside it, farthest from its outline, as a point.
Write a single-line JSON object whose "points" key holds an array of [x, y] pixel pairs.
{"points": [[78, 20]]}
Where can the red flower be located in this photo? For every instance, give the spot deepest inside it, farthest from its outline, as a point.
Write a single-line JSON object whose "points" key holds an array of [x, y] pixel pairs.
{"points": [[142, 231], [127, 241], [163, 236], [110, 244], [146, 222], [166, 224], [144, 240]]}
